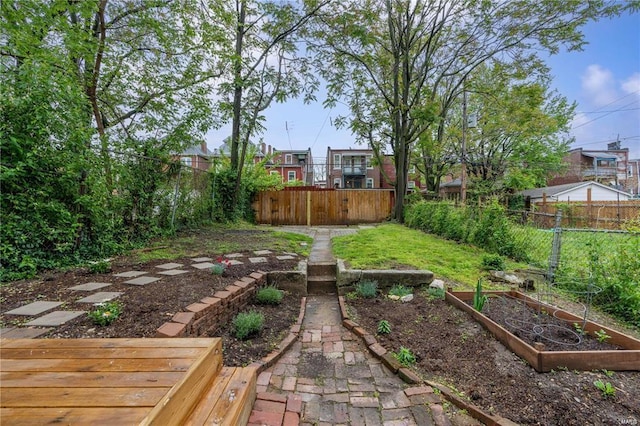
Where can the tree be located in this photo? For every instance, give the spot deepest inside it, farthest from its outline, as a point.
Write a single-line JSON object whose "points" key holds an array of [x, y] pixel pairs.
{"points": [[401, 64], [92, 92], [522, 131], [265, 66]]}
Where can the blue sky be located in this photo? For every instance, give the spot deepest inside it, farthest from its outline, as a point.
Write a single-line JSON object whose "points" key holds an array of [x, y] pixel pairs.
{"points": [[604, 80]]}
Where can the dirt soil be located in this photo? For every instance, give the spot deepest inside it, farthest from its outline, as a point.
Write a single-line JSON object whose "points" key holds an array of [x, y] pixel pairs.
{"points": [[145, 308], [452, 349]]}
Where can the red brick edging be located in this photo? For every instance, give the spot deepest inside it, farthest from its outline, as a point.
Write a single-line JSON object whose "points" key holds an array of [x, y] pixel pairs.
{"points": [[411, 377]]}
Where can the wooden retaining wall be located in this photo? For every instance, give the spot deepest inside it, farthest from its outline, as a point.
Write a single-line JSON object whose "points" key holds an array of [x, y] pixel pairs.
{"points": [[323, 207]]}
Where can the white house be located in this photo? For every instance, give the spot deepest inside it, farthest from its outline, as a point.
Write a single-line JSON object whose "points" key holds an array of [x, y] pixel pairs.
{"points": [[578, 191]]}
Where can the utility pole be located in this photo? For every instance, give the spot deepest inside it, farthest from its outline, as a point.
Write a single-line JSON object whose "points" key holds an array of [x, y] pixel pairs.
{"points": [[463, 170]]}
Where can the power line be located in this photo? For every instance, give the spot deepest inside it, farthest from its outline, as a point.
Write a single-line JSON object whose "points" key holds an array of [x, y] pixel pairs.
{"points": [[598, 118]]}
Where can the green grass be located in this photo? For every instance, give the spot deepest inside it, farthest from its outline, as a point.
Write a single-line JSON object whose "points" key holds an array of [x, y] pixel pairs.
{"points": [[389, 245], [221, 239]]}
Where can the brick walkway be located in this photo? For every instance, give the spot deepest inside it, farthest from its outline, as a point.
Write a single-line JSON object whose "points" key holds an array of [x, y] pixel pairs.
{"points": [[328, 377]]}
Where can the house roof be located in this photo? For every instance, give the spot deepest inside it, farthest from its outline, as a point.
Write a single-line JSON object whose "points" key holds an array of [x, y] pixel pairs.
{"points": [[554, 191], [453, 183], [196, 150]]}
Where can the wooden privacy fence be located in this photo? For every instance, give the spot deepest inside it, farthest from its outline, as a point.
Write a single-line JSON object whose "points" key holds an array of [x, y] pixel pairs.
{"points": [[323, 207], [595, 214]]}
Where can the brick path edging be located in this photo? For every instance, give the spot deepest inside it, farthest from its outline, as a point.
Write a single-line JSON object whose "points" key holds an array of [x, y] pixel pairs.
{"points": [[412, 378], [207, 314]]}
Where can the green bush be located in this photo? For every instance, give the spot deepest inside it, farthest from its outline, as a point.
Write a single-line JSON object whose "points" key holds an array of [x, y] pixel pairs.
{"points": [[399, 290], [247, 324], [405, 356], [367, 289], [493, 262], [100, 267], [384, 327], [105, 313], [269, 295]]}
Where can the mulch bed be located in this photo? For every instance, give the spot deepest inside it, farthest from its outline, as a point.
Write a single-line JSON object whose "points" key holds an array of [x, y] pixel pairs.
{"points": [[453, 349], [145, 308]]}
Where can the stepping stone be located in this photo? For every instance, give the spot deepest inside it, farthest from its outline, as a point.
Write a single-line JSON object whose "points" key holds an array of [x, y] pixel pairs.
{"points": [[169, 265], [286, 257], [172, 272], [100, 297], [202, 259], [291, 254], [234, 262], [262, 252], [142, 280], [130, 274], [205, 265], [89, 286], [23, 332], [258, 259], [34, 308], [233, 255], [55, 318]]}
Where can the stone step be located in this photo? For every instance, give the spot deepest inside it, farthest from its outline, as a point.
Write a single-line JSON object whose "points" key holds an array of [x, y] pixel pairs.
{"points": [[322, 284], [315, 269]]}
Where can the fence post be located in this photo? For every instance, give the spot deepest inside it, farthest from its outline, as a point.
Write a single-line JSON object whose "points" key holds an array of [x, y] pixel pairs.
{"points": [[175, 197], [554, 259]]}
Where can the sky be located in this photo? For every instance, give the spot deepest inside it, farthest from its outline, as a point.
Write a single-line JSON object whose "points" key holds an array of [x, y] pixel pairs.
{"points": [[603, 79]]}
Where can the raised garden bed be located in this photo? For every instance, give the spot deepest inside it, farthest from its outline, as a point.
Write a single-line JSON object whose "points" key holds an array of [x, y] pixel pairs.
{"points": [[623, 353]]}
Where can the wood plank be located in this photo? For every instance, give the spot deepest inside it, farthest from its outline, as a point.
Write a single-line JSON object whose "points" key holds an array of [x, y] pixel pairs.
{"points": [[136, 365], [199, 342], [177, 404], [234, 407], [202, 411], [89, 379], [75, 416], [97, 353], [82, 397]]}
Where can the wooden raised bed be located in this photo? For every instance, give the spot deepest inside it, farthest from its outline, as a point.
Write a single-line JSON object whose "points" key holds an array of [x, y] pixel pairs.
{"points": [[627, 358]]}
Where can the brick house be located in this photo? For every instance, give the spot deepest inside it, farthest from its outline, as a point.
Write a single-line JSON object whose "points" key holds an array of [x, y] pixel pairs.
{"points": [[354, 169], [611, 167], [197, 157], [292, 165]]}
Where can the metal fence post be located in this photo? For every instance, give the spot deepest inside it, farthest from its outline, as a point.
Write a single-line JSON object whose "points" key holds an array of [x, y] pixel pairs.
{"points": [[554, 259]]}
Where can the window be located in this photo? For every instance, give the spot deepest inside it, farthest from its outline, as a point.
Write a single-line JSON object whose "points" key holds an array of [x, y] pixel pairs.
{"points": [[369, 162], [412, 169], [606, 162], [287, 159], [369, 183], [336, 161], [411, 184], [186, 161], [291, 175], [337, 182]]}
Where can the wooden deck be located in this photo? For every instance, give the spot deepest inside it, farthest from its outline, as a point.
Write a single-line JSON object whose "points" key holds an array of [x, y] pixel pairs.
{"points": [[121, 381]]}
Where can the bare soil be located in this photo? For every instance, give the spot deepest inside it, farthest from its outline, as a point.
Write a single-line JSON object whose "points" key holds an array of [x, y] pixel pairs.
{"points": [[145, 308], [451, 348]]}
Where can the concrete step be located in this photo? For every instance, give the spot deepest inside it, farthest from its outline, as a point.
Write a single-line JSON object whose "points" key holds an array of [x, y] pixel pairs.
{"points": [[315, 269], [322, 284]]}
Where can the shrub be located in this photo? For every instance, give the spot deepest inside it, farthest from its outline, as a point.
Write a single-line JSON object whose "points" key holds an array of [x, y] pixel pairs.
{"points": [[100, 267], [384, 327], [399, 290], [105, 313], [269, 295], [436, 293], [493, 262], [405, 357], [247, 324], [367, 289], [220, 266]]}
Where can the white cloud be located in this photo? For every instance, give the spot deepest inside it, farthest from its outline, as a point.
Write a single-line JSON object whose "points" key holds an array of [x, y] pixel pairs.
{"points": [[598, 84], [632, 84]]}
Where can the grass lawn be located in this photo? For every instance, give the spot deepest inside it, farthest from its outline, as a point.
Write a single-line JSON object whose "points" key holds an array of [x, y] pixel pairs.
{"points": [[388, 245]]}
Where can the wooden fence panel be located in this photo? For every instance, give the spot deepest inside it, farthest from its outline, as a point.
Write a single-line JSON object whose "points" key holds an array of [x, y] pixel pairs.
{"points": [[596, 214], [328, 207]]}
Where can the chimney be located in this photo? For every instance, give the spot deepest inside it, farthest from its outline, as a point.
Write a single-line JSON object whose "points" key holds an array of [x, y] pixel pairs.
{"points": [[263, 147], [269, 150], [203, 147]]}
